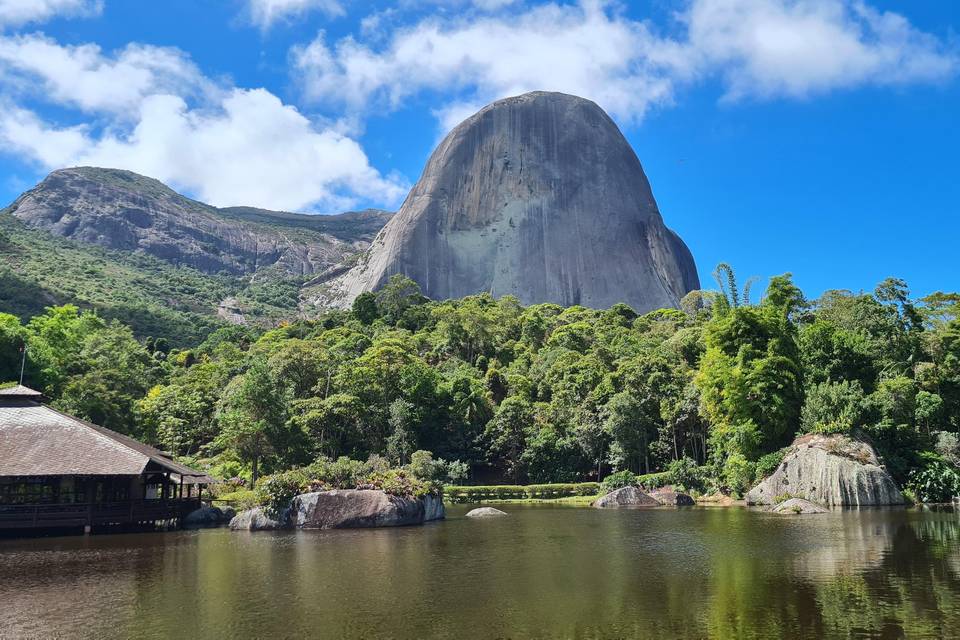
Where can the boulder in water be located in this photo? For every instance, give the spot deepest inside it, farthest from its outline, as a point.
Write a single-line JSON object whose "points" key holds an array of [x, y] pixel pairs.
{"points": [[348, 508], [796, 506], [669, 497], [485, 512], [258, 519], [205, 516], [832, 470], [625, 497]]}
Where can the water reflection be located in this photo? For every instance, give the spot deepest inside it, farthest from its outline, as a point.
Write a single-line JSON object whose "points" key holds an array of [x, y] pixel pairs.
{"points": [[544, 572]]}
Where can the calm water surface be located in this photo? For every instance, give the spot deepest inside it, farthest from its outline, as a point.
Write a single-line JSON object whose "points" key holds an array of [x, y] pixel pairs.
{"points": [[545, 572]]}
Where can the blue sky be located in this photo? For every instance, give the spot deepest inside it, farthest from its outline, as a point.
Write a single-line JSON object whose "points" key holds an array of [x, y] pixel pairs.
{"points": [[818, 137]]}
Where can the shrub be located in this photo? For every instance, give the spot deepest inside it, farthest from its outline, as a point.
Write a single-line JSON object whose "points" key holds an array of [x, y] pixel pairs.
{"points": [[275, 492], [685, 474], [767, 464], [654, 480], [738, 473], [241, 500], [948, 446], [423, 466], [618, 480], [342, 473], [520, 492], [833, 407], [399, 482], [937, 481]]}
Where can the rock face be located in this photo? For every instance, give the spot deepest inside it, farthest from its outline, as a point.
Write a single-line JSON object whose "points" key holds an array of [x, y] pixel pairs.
{"points": [[257, 519], [669, 497], [537, 196], [205, 516], [831, 470], [347, 508], [797, 506], [126, 211], [625, 497], [485, 512]]}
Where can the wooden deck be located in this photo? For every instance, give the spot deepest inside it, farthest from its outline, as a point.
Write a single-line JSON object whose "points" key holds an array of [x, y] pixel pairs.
{"points": [[40, 516]]}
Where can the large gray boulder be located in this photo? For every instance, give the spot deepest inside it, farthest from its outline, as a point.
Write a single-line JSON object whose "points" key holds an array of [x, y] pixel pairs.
{"points": [[205, 516], [831, 470], [485, 512], [668, 497], [538, 196], [258, 519], [625, 497], [347, 508], [797, 506]]}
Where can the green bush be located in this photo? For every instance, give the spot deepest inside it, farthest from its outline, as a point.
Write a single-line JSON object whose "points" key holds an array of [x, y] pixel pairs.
{"points": [[618, 480], [275, 492], [937, 481], [738, 473], [241, 500], [399, 482], [654, 480], [767, 464], [460, 494], [686, 475]]}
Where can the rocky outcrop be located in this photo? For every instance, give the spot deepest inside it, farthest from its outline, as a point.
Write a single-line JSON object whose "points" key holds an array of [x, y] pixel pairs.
{"points": [[205, 516], [831, 470], [669, 497], [625, 497], [485, 512], [258, 519], [348, 508], [540, 197], [123, 210], [797, 506]]}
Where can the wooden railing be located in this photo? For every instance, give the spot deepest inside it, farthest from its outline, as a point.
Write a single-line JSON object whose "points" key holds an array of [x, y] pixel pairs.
{"points": [[19, 516]]}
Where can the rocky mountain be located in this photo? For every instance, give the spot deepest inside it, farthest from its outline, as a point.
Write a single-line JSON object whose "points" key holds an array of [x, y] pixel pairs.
{"points": [[171, 267], [123, 210], [538, 196]]}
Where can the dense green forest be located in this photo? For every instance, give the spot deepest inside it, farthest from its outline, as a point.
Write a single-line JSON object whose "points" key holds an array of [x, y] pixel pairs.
{"points": [[528, 394]]}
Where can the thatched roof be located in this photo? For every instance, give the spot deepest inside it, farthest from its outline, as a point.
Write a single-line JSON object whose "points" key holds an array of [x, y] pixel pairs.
{"points": [[36, 440]]}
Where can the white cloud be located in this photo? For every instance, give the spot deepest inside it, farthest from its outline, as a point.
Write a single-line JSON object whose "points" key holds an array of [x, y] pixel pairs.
{"points": [[22, 131], [760, 49], [264, 13], [156, 114], [577, 49], [767, 49], [19, 12], [82, 76]]}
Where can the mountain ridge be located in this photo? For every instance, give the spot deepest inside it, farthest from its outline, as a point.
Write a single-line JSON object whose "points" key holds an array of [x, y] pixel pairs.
{"points": [[119, 209]]}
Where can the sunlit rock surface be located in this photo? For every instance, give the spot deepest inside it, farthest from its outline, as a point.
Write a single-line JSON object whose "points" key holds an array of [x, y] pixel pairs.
{"points": [[625, 497], [831, 470], [538, 196], [347, 508]]}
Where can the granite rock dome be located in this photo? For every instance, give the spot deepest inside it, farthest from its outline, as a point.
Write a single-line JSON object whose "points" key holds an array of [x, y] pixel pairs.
{"points": [[538, 196]]}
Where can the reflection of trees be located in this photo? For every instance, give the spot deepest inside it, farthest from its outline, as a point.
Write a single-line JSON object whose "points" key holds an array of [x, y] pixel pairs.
{"points": [[914, 590], [543, 572]]}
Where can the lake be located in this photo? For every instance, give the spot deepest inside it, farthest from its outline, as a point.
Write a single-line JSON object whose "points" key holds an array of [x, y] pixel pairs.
{"points": [[547, 571]]}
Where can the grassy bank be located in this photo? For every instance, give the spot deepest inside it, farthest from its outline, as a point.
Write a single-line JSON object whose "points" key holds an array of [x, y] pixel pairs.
{"points": [[567, 492]]}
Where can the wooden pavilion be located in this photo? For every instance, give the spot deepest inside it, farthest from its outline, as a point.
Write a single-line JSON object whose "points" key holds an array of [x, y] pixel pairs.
{"points": [[59, 471]]}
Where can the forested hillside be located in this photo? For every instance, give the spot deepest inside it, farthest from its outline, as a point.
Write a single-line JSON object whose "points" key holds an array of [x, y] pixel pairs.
{"points": [[157, 299], [539, 393]]}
